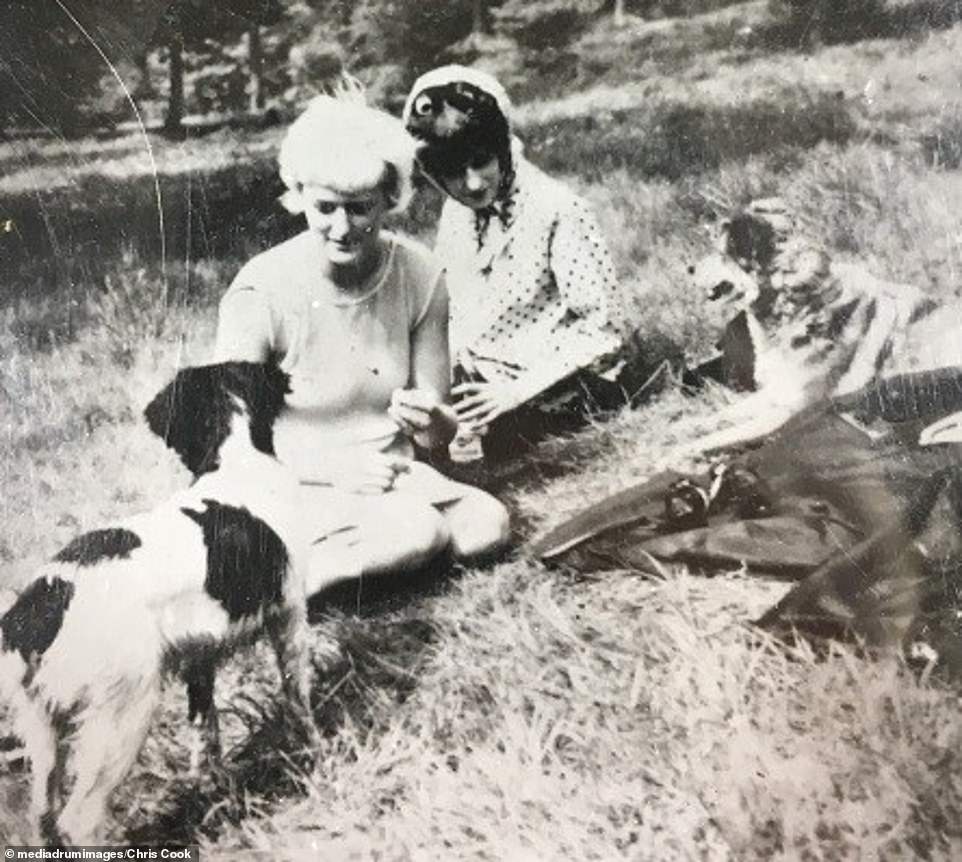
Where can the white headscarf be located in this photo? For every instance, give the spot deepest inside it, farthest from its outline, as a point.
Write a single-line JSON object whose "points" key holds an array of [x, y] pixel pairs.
{"points": [[444, 75]]}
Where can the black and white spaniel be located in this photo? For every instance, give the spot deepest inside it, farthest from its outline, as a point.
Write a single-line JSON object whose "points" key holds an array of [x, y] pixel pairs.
{"points": [[172, 591]]}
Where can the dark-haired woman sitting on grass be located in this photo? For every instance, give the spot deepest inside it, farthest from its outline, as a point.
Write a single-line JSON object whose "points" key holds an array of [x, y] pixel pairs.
{"points": [[358, 317], [535, 305]]}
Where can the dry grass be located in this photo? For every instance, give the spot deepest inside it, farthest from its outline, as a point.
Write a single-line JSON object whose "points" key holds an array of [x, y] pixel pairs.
{"points": [[626, 719], [515, 712]]}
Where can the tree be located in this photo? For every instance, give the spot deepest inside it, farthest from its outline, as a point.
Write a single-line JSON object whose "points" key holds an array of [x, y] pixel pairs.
{"points": [[49, 70], [255, 64], [256, 14], [145, 87], [199, 24]]}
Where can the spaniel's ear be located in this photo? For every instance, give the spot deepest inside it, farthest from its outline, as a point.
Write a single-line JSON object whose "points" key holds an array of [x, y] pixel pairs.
{"points": [[191, 414], [160, 410], [174, 413]]}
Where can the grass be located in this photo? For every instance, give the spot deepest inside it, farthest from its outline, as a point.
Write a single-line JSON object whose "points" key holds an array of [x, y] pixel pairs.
{"points": [[672, 139], [633, 720], [512, 712]]}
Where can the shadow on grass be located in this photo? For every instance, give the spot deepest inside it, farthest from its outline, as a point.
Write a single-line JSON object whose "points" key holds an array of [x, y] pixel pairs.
{"points": [[375, 596], [72, 234], [374, 672], [72, 237]]}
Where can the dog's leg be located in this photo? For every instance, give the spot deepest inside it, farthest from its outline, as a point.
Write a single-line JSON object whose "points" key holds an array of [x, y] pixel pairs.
{"points": [[106, 743], [31, 723], [202, 715], [35, 728], [289, 635]]}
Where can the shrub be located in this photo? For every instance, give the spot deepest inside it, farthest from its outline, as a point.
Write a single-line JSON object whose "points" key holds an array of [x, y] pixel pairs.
{"points": [[219, 88], [313, 66]]}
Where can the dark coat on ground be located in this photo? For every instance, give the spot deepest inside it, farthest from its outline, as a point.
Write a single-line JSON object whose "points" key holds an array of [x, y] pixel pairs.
{"points": [[868, 520]]}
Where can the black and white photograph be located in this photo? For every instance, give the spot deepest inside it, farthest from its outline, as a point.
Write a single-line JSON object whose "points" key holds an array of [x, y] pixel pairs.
{"points": [[516, 430]]}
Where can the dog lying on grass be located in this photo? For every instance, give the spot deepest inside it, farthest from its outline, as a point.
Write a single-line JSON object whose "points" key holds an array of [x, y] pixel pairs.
{"points": [[801, 328], [173, 591]]}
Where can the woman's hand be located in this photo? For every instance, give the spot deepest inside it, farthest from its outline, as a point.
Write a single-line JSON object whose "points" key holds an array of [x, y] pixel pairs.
{"points": [[477, 405], [365, 473], [423, 416]]}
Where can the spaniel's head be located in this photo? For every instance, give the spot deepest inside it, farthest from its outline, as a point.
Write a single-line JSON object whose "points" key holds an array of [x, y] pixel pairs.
{"points": [[194, 413]]}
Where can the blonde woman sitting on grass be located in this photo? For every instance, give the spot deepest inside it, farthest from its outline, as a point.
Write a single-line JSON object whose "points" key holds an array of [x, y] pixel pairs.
{"points": [[359, 319]]}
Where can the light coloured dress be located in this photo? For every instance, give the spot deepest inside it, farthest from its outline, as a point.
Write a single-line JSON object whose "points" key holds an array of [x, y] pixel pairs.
{"points": [[345, 356]]}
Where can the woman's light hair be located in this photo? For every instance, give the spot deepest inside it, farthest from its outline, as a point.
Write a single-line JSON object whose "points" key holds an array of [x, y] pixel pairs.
{"points": [[345, 145]]}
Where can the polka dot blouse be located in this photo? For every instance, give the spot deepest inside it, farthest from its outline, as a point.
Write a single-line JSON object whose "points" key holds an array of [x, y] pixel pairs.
{"points": [[536, 298]]}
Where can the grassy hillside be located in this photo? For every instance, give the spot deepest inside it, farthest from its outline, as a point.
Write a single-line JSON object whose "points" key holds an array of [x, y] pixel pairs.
{"points": [[512, 712]]}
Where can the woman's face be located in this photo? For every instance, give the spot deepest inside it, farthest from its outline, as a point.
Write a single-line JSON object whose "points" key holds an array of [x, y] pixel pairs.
{"points": [[348, 223], [477, 184]]}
